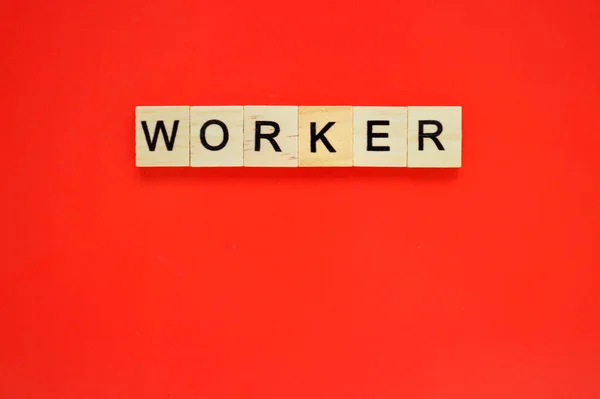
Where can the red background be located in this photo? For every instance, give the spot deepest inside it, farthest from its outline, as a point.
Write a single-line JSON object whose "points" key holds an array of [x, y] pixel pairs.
{"points": [[118, 282]]}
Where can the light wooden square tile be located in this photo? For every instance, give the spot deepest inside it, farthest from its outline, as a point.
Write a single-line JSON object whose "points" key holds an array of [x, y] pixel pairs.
{"points": [[380, 136], [162, 136], [216, 136], [325, 136], [434, 137], [271, 136]]}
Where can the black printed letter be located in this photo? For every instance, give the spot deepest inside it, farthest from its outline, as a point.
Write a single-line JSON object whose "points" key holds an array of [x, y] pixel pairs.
{"points": [[269, 136], [203, 135], [432, 136], [371, 135], [160, 127], [314, 136]]}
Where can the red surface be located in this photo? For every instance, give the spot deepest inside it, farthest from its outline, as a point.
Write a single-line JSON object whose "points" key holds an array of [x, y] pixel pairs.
{"points": [[310, 283]]}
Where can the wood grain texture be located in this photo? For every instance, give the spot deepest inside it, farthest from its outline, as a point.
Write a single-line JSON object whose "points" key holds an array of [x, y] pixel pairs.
{"points": [[286, 153], [339, 135], [396, 131], [232, 153], [450, 138], [160, 123]]}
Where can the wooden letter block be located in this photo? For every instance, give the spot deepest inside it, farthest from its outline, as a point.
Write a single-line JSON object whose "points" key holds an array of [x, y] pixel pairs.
{"points": [[325, 136], [162, 136], [380, 136], [271, 136], [216, 137], [434, 137]]}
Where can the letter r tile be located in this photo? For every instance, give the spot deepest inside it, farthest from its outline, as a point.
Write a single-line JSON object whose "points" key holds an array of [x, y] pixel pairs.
{"points": [[162, 136], [434, 137], [271, 136]]}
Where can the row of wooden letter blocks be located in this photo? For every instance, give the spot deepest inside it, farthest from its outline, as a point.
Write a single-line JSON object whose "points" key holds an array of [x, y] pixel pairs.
{"points": [[288, 136]]}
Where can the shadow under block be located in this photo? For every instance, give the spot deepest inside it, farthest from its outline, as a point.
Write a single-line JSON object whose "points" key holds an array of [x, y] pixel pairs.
{"points": [[216, 136], [271, 136], [325, 136], [434, 137], [162, 136], [380, 136]]}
